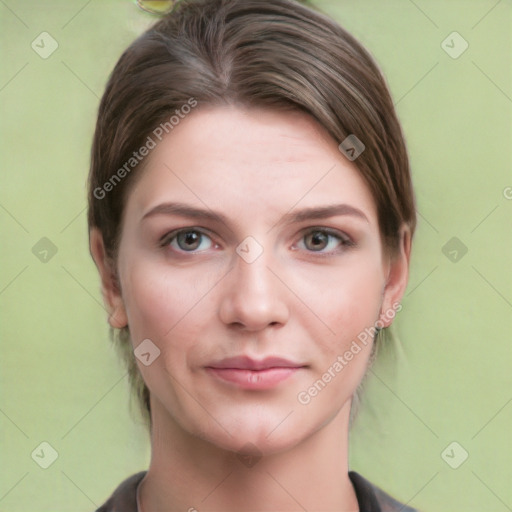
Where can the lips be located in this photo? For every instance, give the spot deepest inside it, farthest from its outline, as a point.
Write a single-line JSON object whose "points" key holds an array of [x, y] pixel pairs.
{"points": [[247, 373], [246, 363]]}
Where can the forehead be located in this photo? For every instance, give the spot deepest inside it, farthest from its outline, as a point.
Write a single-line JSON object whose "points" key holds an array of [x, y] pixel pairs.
{"points": [[268, 159]]}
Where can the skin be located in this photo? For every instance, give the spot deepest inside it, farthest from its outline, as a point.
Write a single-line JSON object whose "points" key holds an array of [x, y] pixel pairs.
{"points": [[305, 298]]}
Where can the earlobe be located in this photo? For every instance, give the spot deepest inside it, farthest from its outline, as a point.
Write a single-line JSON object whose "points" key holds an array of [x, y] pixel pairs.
{"points": [[110, 290], [397, 279], [117, 319]]}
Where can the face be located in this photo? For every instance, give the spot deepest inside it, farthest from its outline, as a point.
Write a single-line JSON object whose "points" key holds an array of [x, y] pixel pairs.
{"points": [[250, 256]]}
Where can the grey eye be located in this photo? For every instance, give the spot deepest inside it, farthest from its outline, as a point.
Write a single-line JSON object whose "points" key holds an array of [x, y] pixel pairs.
{"points": [[316, 240], [190, 240]]}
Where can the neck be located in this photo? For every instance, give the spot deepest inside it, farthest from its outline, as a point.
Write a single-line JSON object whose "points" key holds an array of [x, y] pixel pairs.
{"points": [[190, 474]]}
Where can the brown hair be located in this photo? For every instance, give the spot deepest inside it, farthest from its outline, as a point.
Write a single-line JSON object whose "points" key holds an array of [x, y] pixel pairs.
{"points": [[278, 54]]}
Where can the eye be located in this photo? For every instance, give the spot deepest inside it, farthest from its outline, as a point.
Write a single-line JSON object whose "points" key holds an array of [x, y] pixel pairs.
{"points": [[324, 240], [188, 240]]}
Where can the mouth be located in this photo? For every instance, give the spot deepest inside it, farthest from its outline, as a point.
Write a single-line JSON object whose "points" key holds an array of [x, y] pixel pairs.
{"points": [[247, 373]]}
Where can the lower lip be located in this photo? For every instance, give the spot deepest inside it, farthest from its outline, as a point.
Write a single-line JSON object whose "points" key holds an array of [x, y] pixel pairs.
{"points": [[254, 379]]}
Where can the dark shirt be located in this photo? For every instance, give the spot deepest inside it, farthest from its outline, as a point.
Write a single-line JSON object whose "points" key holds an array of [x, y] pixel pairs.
{"points": [[369, 497]]}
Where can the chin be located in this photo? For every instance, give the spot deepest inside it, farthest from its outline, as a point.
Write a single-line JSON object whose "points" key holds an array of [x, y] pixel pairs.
{"points": [[257, 445], [256, 438]]}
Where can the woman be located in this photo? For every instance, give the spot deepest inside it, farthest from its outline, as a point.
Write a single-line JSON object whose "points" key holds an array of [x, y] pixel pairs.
{"points": [[251, 215]]}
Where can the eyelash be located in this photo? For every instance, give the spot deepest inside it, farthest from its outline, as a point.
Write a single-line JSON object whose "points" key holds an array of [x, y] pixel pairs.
{"points": [[166, 240], [344, 241]]}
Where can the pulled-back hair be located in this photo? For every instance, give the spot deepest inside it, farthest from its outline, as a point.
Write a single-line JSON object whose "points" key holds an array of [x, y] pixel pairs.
{"points": [[249, 53]]}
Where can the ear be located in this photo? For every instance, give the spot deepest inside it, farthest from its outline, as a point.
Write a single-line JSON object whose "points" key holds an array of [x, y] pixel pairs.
{"points": [[109, 284], [397, 278]]}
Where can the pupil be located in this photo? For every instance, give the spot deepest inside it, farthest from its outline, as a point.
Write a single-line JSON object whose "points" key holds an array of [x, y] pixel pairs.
{"points": [[318, 239], [189, 239]]}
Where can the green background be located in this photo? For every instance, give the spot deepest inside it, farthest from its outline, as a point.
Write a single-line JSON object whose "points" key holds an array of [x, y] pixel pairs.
{"points": [[450, 380]]}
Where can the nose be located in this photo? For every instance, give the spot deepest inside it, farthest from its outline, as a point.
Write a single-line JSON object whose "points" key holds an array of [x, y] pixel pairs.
{"points": [[252, 296]]}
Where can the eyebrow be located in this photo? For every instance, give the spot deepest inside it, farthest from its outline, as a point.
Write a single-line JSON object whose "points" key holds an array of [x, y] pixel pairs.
{"points": [[296, 216]]}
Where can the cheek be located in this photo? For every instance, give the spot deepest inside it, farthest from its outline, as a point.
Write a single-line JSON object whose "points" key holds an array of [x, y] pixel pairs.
{"points": [[347, 298], [166, 308], [158, 302], [349, 306], [171, 307]]}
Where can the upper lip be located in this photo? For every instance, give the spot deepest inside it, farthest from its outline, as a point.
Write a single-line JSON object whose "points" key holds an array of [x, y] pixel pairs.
{"points": [[247, 363]]}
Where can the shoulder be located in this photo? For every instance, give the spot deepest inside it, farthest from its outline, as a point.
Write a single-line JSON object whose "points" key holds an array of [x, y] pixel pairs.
{"points": [[124, 498], [373, 499]]}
